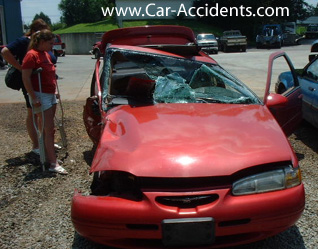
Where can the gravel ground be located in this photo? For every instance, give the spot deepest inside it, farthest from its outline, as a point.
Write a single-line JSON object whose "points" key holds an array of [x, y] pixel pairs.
{"points": [[35, 205]]}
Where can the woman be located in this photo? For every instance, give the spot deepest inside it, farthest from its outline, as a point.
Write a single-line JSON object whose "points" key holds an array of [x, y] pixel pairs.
{"points": [[14, 53], [45, 100]]}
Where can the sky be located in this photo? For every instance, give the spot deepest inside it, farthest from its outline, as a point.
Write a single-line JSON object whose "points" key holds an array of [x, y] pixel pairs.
{"points": [[30, 8]]}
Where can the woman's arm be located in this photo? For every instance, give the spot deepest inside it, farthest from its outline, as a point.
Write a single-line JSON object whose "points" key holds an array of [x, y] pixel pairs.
{"points": [[8, 56], [26, 77]]}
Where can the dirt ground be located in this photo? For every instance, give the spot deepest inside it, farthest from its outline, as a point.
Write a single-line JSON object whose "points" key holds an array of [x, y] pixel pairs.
{"points": [[35, 205]]}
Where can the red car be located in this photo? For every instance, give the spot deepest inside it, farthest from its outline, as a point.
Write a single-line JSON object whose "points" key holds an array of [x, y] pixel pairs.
{"points": [[59, 46], [187, 156]]}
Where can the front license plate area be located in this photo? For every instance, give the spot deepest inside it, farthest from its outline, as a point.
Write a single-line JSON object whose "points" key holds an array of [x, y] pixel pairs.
{"points": [[188, 232]]}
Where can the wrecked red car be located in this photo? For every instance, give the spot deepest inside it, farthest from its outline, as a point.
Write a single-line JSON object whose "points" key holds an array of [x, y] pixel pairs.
{"points": [[187, 155]]}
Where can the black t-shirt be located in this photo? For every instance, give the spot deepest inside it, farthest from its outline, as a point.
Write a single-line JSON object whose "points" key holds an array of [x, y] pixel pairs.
{"points": [[19, 48]]}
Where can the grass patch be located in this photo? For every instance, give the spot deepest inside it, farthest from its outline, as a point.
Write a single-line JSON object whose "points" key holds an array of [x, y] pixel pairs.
{"points": [[101, 26], [110, 24]]}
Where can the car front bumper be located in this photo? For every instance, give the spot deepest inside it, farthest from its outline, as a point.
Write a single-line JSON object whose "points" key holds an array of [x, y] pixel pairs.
{"points": [[238, 219]]}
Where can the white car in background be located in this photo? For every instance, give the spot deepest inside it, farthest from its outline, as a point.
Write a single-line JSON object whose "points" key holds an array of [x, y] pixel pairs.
{"points": [[208, 43]]}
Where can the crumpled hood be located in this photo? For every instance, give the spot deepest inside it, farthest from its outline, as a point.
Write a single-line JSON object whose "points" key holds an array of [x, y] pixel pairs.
{"points": [[189, 140]]}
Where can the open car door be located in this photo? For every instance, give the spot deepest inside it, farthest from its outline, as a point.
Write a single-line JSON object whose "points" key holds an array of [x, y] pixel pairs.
{"points": [[286, 107]]}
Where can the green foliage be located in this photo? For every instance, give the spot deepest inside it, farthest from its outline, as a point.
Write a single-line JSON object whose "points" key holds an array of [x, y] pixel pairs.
{"points": [[301, 30], [106, 25], [82, 11], [57, 26], [44, 17]]}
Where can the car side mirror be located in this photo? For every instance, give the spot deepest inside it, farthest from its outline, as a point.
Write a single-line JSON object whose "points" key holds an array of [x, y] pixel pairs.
{"points": [[276, 100]]}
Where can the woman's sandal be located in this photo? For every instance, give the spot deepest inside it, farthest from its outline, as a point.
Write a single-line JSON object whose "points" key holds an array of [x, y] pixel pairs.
{"points": [[57, 169]]}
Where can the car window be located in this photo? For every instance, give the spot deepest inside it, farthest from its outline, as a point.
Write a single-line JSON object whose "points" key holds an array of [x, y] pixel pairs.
{"points": [[312, 71], [206, 37], [167, 79]]}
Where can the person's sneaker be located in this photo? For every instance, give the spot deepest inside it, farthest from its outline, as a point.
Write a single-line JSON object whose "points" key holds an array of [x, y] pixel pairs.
{"points": [[36, 151]]}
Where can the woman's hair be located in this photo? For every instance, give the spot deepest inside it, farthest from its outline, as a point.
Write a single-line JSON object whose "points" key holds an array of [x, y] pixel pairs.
{"points": [[43, 35], [37, 25]]}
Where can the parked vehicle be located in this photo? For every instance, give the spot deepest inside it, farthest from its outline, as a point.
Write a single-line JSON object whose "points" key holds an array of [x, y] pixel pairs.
{"points": [[59, 46], [271, 36], [312, 32], [307, 79], [208, 43], [187, 155], [96, 50], [313, 51], [290, 37], [232, 40]]}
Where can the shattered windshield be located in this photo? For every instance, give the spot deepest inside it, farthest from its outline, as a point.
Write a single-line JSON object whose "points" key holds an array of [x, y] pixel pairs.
{"points": [[154, 78]]}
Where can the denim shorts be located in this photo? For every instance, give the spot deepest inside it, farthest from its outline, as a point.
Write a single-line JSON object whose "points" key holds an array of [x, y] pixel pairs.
{"points": [[47, 101]]}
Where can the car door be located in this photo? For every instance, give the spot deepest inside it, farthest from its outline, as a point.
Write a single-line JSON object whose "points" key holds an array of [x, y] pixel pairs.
{"points": [[285, 107], [309, 86]]}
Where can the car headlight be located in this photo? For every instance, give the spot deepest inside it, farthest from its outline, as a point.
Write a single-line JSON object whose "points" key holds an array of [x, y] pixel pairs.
{"points": [[279, 179]]}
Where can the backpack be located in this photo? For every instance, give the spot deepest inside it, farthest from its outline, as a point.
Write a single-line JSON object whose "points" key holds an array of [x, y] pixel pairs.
{"points": [[13, 78]]}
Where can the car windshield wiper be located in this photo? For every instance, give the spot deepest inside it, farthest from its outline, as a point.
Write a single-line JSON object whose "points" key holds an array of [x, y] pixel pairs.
{"points": [[224, 101], [208, 100]]}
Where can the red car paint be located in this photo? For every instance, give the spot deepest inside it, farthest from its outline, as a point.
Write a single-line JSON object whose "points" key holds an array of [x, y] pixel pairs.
{"points": [[130, 144], [179, 153]]}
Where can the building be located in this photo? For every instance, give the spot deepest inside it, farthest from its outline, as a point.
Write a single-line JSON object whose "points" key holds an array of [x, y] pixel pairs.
{"points": [[312, 20], [10, 21]]}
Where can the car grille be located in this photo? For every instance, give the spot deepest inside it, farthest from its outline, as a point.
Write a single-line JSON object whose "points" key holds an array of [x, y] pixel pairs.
{"points": [[187, 201], [150, 184]]}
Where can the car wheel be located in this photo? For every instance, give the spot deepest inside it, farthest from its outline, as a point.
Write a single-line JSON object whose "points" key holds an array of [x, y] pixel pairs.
{"points": [[243, 48]]}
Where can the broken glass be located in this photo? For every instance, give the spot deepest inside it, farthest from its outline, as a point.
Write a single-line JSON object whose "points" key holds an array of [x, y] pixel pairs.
{"points": [[169, 79]]}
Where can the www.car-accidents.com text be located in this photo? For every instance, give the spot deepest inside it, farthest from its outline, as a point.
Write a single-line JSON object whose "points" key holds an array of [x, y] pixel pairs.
{"points": [[154, 10]]}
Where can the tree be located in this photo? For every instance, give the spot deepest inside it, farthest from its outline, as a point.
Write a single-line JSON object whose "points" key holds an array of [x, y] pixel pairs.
{"points": [[43, 17], [316, 10], [82, 11]]}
